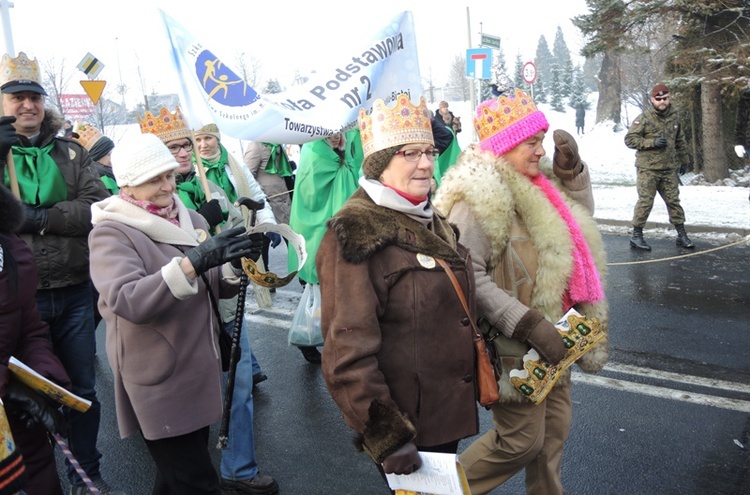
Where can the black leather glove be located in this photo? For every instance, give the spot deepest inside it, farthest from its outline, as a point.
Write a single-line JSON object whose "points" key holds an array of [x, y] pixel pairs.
{"points": [[8, 136], [35, 220], [274, 238], [33, 408], [660, 142], [256, 247], [211, 211], [542, 335], [405, 460], [684, 168], [227, 246]]}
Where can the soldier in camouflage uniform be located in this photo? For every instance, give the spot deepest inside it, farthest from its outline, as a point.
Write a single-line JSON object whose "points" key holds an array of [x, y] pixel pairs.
{"points": [[661, 151]]}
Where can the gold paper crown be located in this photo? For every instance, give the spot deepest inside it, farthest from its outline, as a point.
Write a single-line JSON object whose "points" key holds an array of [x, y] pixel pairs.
{"points": [[494, 116], [537, 377], [387, 127], [166, 125], [20, 70], [88, 135]]}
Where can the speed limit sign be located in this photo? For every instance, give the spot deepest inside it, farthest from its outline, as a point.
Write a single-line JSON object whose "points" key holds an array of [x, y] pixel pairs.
{"points": [[529, 72]]}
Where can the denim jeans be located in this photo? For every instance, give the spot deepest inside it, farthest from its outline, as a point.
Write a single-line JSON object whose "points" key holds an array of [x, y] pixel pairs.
{"points": [[238, 459], [69, 311]]}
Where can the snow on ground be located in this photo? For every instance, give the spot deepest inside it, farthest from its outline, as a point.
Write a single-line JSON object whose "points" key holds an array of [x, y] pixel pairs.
{"points": [[612, 169]]}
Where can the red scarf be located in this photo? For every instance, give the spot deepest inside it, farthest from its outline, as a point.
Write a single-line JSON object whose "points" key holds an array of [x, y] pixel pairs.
{"points": [[168, 212], [411, 199]]}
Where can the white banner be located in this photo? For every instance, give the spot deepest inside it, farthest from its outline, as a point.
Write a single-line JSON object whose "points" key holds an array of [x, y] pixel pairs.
{"points": [[211, 92]]}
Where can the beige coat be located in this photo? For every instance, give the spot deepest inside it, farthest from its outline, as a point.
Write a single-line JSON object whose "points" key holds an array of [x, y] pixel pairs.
{"points": [[256, 158], [509, 224], [161, 328]]}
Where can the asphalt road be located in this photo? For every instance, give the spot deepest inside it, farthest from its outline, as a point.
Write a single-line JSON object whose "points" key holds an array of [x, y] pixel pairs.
{"points": [[669, 414]]}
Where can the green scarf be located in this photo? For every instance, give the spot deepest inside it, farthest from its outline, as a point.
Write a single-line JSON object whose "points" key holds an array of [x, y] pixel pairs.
{"points": [[216, 172], [278, 163], [110, 184], [191, 193], [39, 179]]}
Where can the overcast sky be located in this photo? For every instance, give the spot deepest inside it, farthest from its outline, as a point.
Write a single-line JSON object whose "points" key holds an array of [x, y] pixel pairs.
{"points": [[282, 35]]}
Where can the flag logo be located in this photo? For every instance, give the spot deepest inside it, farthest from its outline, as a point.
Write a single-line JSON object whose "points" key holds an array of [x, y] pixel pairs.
{"points": [[221, 84]]}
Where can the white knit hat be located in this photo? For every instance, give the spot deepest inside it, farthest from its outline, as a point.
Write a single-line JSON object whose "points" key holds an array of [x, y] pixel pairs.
{"points": [[139, 158]]}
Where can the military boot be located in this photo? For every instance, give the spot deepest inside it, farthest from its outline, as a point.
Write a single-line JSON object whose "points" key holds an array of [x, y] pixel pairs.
{"points": [[682, 239], [637, 240]]}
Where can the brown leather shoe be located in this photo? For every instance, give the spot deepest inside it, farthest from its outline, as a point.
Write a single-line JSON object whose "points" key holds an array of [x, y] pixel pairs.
{"points": [[261, 484]]}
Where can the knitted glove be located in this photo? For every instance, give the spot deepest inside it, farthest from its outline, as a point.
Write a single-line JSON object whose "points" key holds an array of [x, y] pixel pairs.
{"points": [[33, 408], [566, 158], [8, 136], [540, 334], [35, 220], [405, 460], [211, 211], [221, 248], [660, 142]]}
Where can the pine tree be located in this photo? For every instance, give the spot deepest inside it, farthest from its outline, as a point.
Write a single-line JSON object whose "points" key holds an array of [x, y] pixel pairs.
{"points": [[561, 54], [518, 74], [557, 98], [543, 61], [579, 94]]}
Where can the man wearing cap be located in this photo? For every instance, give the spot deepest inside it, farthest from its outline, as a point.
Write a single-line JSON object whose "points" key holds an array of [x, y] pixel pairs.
{"points": [[661, 153], [57, 186]]}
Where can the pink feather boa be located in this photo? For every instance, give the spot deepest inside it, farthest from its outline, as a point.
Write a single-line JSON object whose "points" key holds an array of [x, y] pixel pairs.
{"points": [[584, 285]]}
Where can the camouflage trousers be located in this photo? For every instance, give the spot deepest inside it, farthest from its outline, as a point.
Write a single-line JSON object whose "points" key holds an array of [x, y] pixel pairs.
{"points": [[667, 184]]}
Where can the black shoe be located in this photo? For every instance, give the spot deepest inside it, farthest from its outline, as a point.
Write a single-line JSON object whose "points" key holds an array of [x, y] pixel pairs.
{"points": [[311, 354], [261, 484], [258, 378], [637, 241]]}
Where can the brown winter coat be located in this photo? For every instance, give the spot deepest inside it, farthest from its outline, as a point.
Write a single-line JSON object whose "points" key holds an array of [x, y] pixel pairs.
{"points": [[61, 254], [161, 328], [398, 358]]}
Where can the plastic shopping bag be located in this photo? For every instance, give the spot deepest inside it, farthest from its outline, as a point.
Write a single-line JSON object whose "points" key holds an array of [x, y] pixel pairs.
{"points": [[305, 329]]}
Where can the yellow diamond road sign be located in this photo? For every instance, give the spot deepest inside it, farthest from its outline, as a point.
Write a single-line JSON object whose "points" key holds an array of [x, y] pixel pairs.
{"points": [[94, 89], [91, 66]]}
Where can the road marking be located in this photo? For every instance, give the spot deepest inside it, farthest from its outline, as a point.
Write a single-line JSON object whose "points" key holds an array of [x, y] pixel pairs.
{"points": [[679, 378], [663, 392]]}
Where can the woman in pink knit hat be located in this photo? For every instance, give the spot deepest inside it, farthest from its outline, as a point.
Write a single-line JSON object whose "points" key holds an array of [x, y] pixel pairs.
{"points": [[536, 252]]}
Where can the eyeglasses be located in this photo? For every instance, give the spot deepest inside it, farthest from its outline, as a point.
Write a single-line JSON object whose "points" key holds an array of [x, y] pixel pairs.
{"points": [[661, 98], [175, 148], [416, 155]]}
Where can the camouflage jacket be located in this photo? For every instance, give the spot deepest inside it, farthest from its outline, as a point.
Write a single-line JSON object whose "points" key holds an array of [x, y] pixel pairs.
{"points": [[643, 132]]}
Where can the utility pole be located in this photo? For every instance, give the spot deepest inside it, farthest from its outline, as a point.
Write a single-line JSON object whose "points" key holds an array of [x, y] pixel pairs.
{"points": [[5, 5]]}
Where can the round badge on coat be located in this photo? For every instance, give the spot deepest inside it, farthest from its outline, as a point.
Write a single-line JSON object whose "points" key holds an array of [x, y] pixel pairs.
{"points": [[426, 261], [202, 235]]}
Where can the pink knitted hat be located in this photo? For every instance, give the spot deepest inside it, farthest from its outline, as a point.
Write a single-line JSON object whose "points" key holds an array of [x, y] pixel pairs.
{"points": [[505, 122]]}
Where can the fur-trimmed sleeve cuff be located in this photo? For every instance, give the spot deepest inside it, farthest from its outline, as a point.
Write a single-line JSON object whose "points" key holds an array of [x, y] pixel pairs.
{"points": [[387, 430], [178, 283]]}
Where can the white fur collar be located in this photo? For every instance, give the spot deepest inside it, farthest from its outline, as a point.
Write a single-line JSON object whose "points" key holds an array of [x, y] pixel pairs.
{"points": [[158, 229]]}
